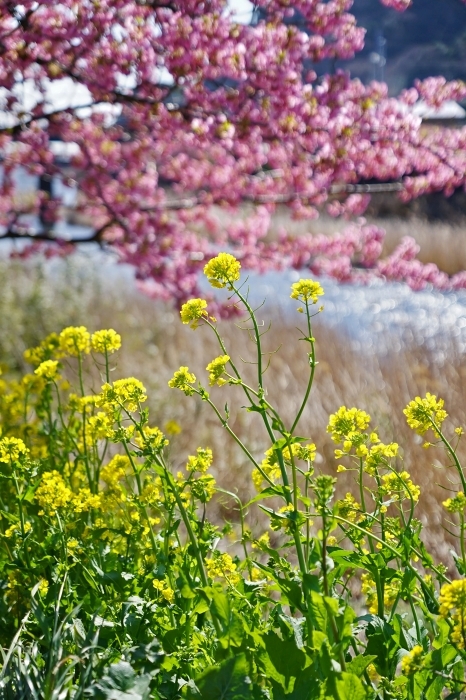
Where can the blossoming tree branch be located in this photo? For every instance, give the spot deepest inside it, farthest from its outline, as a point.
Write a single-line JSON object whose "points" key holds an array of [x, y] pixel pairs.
{"points": [[178, 92]]}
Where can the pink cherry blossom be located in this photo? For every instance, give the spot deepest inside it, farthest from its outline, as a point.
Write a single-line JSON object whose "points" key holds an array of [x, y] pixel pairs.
{"points": [[186, 119]]}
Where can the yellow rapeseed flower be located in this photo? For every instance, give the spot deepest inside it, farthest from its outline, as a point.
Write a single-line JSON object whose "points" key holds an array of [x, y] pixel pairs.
{"points": [[53, 493], [113, 472], [85, 500], [420, 413], [106, 341], [453, 604], [164, 590], [100, 426], [222, 270], [347, 423], [456, 504], [75, 340], [216, 368], [306, 291], [129, 392], [412, 661], [172, 427], [222, 566], [12, 449], [182, 379], [192, 311], [203, 488], [399, 485], [201, 461], [349, 508], [152, 437], [45, 351], [48, 369]]}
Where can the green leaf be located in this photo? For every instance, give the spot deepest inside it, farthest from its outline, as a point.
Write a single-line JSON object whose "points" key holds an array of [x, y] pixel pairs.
{"points": [[228, 681], [434, 690], [292, 591], [349, 687], [121, 683], [358, 665], [255, 409], [220, 605], [318, 611], [282, 660], [269, 492]]}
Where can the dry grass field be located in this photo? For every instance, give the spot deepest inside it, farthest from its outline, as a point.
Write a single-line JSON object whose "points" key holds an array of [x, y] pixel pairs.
{"points": [[35, 301]]}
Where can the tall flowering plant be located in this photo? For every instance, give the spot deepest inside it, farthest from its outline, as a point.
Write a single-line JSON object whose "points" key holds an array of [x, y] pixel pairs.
{"points": [[117, 583], [181, 94]]}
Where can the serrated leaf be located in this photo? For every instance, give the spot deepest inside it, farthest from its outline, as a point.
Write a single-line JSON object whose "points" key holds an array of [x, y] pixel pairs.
{"points": [[228, 681], [282, 660], [358, 665], [349, 687]]}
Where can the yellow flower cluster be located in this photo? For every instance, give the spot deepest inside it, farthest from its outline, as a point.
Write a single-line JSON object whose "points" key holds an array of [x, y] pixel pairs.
{"points": [[106, 341], [222, 270], [346, 422], [192, 311], [150, 494], [164, 590], [12, 449], [456, 504], [349, 508], [100, 426], [182, 380], [453, 603], [203, 488], [422, 413], [222, 566], [201, 461], [113, 472], [48, 369], [369, 589], [270, 465], [74, 340], [84, 500], [43, 587], [412, 661], [272, 471], [398, 485], [287, 520], [378, 454], [153, 438], [82, 404], [129, 393], [306, 291], [216, 368], [15, 529], [172, 427], [262, 542], [45, 351], [53, 494]]}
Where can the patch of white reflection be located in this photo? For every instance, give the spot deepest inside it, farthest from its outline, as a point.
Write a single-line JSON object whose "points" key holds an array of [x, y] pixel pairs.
{"points": [[377, 317]]}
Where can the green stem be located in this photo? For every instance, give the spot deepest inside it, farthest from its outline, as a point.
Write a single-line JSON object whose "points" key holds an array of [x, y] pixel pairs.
{"points": [[21, 517], [451, 452], [193, 539], [312, 364], [143, 508]]}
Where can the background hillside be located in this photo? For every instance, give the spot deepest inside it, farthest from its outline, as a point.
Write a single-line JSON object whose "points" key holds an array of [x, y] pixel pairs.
{"points": [[428, 39]]}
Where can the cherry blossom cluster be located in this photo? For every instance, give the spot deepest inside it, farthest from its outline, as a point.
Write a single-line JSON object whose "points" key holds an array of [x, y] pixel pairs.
{"points": [[173, 111]]}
